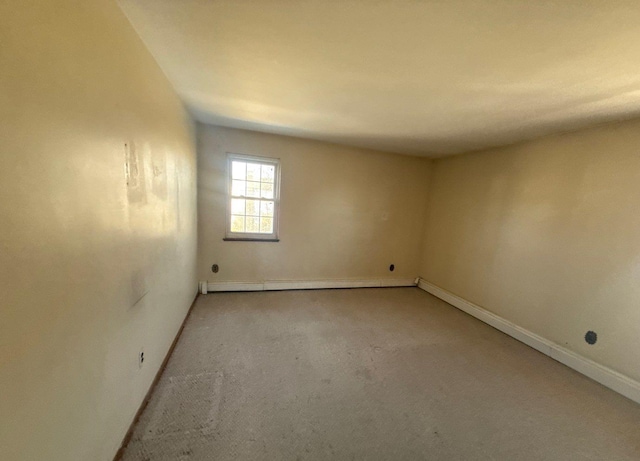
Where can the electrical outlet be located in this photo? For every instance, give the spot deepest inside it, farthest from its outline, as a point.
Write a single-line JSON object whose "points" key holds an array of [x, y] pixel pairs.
{"points": [[141, 358]]}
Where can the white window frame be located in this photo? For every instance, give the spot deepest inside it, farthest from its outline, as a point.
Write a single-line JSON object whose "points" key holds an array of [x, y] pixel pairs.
{"points": [[251, 236]]}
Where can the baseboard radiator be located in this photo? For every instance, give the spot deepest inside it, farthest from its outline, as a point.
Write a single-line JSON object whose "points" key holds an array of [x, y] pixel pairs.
{"points": [[603, 375], [275, 285]]}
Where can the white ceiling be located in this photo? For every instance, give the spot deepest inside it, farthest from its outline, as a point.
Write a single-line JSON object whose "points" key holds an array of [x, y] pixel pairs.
{"points": [[424, 77]]}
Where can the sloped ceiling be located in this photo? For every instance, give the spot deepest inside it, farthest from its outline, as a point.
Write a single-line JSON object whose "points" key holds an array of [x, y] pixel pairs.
{"points": [[418, 77]]}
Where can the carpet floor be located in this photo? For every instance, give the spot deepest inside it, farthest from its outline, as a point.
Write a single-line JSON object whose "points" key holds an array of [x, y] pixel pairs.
{"points": [[369, 374]]}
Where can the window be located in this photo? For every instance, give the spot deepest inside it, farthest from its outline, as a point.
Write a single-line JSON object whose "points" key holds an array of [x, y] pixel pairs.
{"points": [[252, 206]]}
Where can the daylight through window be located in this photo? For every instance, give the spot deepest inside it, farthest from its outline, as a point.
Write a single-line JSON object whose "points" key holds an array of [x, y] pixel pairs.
{"points": [[253, 197]]}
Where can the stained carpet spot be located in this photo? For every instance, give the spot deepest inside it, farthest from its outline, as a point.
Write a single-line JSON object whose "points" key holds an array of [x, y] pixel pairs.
{"points": [[187, 404]]}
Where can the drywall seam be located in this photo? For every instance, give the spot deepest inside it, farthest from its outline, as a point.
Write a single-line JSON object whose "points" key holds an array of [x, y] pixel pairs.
{"points": [[605, 376], [273, 285]]}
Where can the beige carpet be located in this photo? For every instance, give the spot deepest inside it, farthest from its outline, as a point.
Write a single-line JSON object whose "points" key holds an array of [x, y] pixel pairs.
{"points": [[370, 374]]}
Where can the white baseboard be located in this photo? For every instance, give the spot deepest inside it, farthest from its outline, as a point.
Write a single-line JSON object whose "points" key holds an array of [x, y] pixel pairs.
{"points": [[274, 285], [605, 376]]}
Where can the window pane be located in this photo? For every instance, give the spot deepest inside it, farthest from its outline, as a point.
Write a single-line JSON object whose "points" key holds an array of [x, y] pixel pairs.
{"points": [[253, 224], [238, 170], [237, 223], [267, 190], [268, 173], [253, 208], [253, 171], [266, 209], [237, 188], [266, 225], [237, 206], [253, 189]]}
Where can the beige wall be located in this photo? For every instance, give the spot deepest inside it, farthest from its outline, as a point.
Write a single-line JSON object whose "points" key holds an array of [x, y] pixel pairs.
{"points": [[346, 213], [547, 235], [91, 271]]}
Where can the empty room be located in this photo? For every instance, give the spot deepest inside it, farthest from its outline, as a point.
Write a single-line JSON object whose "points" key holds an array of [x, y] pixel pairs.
{"points": [[319, 230]]}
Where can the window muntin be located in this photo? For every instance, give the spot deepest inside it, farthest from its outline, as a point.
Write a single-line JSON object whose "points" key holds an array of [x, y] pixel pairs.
{"points": [[253, 197]]}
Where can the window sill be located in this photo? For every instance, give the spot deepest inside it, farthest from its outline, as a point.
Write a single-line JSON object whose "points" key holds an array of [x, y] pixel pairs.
{"points": [[248, 239]]}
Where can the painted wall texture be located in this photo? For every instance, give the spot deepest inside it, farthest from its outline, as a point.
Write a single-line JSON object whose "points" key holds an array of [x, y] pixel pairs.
{"points": [[95, 265], [546, 234], [346, 213]]}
